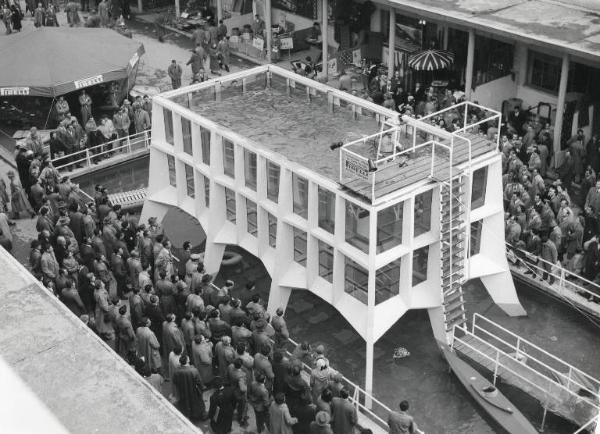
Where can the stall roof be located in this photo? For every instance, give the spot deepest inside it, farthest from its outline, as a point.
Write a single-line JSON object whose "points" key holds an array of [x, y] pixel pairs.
{"points": [[52, 61], [541, 22]]}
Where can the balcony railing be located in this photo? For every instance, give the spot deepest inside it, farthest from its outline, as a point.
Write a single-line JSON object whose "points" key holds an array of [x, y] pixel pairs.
{"points": [[90, 156]]}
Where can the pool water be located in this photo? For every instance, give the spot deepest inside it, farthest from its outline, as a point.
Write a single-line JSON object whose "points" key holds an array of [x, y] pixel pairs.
{"points": [[287, 124]]}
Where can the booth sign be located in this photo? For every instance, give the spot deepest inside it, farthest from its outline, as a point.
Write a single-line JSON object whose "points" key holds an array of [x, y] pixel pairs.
{"points": [[87, 82], [355, 166], [287, 43], [14, 91], [258, 43]]}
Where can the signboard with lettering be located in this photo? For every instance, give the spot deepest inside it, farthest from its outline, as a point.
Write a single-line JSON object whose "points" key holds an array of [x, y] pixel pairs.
{"points": [[354, 166], [287, 43], [14, 91], [258, 43], [234, 39], [87, 82], [332, 66]]}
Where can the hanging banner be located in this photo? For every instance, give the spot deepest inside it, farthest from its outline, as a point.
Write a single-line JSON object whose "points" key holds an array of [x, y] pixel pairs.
{"points": [[332, 66], [354, 166], [356, 57], [87, 82], [14, 91]]}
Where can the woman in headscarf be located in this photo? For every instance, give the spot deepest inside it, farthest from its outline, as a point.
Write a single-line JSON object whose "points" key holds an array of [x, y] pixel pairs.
{"points": [[19, 200]]}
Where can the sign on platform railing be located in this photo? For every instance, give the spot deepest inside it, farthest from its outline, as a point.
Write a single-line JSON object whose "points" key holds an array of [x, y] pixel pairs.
{"points": [[354, 166]]}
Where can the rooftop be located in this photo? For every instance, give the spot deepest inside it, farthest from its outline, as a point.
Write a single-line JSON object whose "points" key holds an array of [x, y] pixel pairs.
{"points": [[559, 25], [83, 383], [295, 117]]}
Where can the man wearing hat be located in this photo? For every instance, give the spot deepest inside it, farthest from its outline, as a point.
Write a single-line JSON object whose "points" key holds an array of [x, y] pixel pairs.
{"points": [[125, 333], [147, 345], [321, 424]]}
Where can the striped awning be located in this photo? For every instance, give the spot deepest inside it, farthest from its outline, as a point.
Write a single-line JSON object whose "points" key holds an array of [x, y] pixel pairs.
{"points": [[431, 60]]}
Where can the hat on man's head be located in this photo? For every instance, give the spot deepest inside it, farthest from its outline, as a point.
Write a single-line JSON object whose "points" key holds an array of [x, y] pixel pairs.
{"points": [[195, 256], [322, 418]]}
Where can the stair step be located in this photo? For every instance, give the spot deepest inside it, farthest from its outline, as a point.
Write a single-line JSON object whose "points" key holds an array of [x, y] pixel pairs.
{"points": [[450, 290], [455, 251], [459, 322], [452, 297], [451, 306], [454, 315]]}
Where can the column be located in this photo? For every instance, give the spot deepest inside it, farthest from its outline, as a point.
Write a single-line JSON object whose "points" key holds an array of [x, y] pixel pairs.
{"points": [[140, 6], [324, 35], [560, 105], [391, 43], [219, 10], [376, 20], [269, 33], [177, 9], [446, 29], [470, 62]]}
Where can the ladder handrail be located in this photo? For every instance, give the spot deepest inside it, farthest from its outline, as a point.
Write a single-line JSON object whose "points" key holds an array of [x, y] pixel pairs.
{"points": [[588, 424]]}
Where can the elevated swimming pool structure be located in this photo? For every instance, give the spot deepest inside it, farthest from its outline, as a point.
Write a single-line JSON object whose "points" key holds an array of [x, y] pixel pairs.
{"points": [[373, 212]]}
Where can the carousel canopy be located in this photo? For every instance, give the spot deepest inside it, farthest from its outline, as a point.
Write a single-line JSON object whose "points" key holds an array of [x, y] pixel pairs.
{"points": [[431, 60], [52, 61]]}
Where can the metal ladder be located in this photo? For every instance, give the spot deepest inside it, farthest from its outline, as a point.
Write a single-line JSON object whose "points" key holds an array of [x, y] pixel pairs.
{"points": [[453, 242]]}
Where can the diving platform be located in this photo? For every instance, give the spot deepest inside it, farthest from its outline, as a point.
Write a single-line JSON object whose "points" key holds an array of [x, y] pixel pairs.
{"points": [[559, 387]]}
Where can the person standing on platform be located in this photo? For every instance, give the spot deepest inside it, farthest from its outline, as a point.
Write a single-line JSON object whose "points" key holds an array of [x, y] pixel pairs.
{"points": [[103, 7], [223, 53], [221, 30], [86, 107], [147, 345], [141, 119], [175, 74]]}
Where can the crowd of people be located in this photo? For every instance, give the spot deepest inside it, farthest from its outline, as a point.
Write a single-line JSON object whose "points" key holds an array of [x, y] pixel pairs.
{"points": [[107, 13], [159, 310]]}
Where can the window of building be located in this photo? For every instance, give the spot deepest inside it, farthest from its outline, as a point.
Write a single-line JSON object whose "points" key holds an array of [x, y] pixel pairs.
{"points": [[423, 212], [479, 187], [250, 169], [357, 226], [186, 134], [325, 261], [387, 281], [389, 227], [543, 71], [205, 142], [356, 281], [475, 244], [300, 246], [300, 193], [206, 182], [420, 257], [326, 210], [172, 172], [272, 230], [493, 59], [168, 117], [230, 204], [189, 179], [273, 172], [251, 215], [228, 158]]}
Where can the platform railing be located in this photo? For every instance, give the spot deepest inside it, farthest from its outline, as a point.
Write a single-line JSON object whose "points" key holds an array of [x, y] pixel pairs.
{"points": [[566, 282], [587, 427], [89, 156], [544, 384], [566, 374]]}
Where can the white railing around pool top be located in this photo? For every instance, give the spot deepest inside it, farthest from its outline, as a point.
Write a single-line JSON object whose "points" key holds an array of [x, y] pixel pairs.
{"points": [[90, 156]]}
